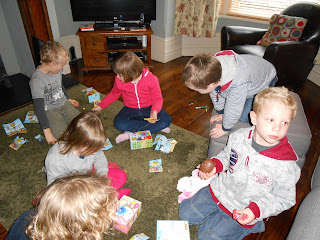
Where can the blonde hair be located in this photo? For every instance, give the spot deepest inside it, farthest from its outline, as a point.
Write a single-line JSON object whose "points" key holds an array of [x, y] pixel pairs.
{"points": [[52, 52], [129, 66], [202, 70], [278, 94], [85, 133], [74, 207]]}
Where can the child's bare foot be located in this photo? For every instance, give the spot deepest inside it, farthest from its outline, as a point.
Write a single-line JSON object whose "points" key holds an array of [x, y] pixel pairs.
{"points": [[122, 137], [166, 130]]}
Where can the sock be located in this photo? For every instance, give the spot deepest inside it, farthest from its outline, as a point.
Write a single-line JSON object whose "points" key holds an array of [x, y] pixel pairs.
{"points": [[122, 137], [125, 191], [166, 130]]}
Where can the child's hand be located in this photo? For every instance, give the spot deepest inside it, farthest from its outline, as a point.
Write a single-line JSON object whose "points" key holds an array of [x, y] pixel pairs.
{"points": [[217, 131], [49, 136], [96, 110], [74, 102], [205, 176], [243, 217], [216, 118], [154, 116]]}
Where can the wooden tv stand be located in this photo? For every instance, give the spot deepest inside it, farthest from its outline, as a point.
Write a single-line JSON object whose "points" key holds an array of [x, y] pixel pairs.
{"points": [[97, 54]]}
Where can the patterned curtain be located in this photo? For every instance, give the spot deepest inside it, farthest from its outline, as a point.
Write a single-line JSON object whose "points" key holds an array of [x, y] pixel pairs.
{"points": [[196, 18]]}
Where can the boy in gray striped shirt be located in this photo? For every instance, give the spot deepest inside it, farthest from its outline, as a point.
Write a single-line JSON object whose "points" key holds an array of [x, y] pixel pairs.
{"points": [[232, 80]]}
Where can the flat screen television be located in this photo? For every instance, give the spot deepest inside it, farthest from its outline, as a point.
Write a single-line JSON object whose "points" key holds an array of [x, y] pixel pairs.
{"points": [[106, 10]]}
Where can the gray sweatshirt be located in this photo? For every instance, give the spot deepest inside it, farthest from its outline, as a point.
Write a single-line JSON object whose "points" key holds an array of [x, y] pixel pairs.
{"points": [[60, 165]]}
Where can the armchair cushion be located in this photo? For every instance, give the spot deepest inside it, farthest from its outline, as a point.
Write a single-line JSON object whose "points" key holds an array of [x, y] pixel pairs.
{"points": [[283, 28]]}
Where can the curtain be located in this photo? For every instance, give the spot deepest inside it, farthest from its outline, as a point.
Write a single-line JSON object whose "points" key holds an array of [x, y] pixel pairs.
{"points": [[196, 18]]}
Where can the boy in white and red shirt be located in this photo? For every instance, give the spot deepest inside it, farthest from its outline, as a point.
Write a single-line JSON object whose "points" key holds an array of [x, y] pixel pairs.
{"points": [[142, 98], [257, 174]]}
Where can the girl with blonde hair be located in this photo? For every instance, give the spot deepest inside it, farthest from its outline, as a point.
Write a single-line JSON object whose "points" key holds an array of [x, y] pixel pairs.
{"points": [[74, 207]]}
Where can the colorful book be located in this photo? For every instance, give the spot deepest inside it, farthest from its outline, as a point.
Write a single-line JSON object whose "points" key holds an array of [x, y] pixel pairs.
{"points": [[39, 137], [140, 139], [31, 118], [17, 143], [15, 127], [107, 145], [155, 165], [164, 144], [173, 230]]}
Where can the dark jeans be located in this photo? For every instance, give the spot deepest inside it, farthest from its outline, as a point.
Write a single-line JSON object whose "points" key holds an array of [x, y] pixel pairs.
{"points": [[131, 119], [18, 229]]}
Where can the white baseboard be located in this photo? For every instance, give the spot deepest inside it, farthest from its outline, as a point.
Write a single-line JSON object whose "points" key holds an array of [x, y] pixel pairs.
{"points": [[165, 49], [192, 46]]}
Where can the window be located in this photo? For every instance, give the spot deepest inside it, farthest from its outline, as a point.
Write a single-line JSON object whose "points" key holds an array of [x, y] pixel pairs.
{"points": [[255, 9]]}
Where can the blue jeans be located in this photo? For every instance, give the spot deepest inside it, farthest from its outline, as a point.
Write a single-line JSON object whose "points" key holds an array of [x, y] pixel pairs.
{"points": [[214, 223], [18, 229], [248, 104], [131, 119]]}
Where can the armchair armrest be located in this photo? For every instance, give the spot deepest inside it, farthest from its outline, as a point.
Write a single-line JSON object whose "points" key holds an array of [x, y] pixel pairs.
{"points": [[238, 35]]}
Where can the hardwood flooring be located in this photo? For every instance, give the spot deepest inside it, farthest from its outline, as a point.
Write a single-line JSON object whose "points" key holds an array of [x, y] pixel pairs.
{"points": [[176, 96]]}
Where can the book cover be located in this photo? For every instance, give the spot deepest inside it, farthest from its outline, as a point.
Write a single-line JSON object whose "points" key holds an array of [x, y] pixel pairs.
{"points": [[107, 145], [15, 127], [155, 165], [173, 230], [31, 118]]}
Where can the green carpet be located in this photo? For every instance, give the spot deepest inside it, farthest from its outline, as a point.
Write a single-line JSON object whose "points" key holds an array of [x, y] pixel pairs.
{"points": [[21, 176]]}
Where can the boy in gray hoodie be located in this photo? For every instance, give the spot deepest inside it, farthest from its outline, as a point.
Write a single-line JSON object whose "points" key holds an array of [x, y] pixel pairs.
{"points": [[257, 174]]}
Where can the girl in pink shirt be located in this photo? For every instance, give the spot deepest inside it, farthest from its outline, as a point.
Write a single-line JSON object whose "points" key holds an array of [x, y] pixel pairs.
{"points": [[142, 98]]}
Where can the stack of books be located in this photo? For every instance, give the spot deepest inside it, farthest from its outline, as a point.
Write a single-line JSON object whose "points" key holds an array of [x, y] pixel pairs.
{"points": [[86, 27]]}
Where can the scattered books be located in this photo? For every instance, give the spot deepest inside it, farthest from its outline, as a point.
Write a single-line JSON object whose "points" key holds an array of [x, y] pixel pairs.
{"points": [[164, 144], [86, 27], [140, 236], [15, 127], [31, 118], [140, 139], [17, 143], [173, 230], [155, 165], [107, 145], [90, 94]]}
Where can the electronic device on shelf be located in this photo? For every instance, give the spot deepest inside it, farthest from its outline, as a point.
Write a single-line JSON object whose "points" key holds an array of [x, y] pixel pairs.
{"points": [[115, 12], [117, 42]]}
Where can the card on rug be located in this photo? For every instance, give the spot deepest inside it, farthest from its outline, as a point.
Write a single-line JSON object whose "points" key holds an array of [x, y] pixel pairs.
{"points": [[155, 165]]}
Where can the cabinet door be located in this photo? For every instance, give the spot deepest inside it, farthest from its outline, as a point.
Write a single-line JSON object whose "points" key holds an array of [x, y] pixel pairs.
{"points": [[95, 54]]}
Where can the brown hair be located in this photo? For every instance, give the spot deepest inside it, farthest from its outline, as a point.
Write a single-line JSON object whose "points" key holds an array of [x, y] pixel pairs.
{"points": [[52, 52], [75, 207], [84, 131], [129, 66], [202, 70], [278, 94]]}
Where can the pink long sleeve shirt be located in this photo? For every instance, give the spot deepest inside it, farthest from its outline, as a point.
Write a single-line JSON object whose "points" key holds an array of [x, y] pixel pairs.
{"points": [[142, 94]]}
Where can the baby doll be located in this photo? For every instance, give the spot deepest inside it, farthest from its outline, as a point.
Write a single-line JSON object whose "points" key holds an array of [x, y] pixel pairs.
{"points": [[189, 186]]}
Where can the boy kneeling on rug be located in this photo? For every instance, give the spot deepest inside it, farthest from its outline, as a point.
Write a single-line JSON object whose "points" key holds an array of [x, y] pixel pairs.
{"points": [[257, 174]]}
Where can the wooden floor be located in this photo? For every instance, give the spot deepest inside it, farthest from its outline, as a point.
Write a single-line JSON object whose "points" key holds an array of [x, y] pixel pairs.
{"points": [[177, 96]]}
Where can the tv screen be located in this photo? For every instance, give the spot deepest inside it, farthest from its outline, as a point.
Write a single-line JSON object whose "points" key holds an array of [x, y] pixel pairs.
{"points": [[106, 10]]}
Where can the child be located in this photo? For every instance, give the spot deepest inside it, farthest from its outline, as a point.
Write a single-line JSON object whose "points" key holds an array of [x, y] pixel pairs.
{"points": [[75, 207], [50, 99], [79, 149], [257, 174], [142, 97], [232, 80]]}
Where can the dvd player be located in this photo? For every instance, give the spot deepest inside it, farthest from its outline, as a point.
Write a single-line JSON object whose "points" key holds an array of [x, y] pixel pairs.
{"points": [[122, 41]]}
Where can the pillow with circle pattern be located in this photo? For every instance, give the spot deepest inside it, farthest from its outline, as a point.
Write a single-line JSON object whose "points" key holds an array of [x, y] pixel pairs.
{"points": [[283, 28]]}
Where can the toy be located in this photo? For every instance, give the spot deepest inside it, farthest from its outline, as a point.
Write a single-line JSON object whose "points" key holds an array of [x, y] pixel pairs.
{"points": [[15, 127], [140, 139], [155, 165], [189, 186], [127, 213], [173, 230], [207, 166], [240, 216], [31, 118], [91, 94]]}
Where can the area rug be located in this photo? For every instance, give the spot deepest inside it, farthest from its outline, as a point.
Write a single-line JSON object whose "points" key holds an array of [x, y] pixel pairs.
{"points": [[21, 175]]}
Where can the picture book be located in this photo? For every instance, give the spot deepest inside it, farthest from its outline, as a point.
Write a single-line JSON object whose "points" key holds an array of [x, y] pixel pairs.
{"points": [[31, 118], [155, 165], [140, 236], [107, 145], [172, 230], [164, 144], [15, 127], [91, 94], [18, 142], [140, 139]]}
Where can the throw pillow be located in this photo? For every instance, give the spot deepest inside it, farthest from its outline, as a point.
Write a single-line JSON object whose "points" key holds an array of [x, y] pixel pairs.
{"points": [[283, 28]]}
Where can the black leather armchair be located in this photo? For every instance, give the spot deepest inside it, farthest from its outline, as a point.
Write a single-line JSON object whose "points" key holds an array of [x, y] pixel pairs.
{"points": [[292, 60]]}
